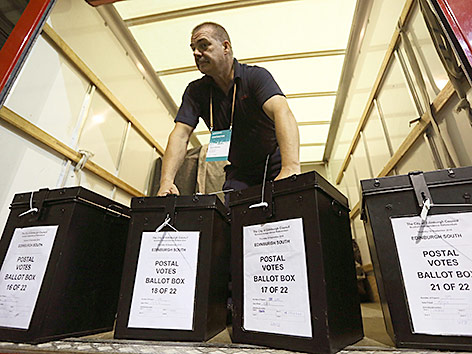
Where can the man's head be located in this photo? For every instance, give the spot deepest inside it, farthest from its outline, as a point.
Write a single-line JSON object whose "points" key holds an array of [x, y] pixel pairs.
{"points": [[211, 48]]}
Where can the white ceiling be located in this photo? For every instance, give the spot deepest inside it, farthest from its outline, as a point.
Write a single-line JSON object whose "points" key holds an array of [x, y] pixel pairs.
{"points": [[275, 28]]}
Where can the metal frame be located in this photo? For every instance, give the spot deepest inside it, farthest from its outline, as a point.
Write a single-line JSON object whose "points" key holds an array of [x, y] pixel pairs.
{"points": [[366, 148], [121, 150], [409, 81], [383, 123], [423, 60], [356, 175], [76, 134], [384, 126], [433, 149]]}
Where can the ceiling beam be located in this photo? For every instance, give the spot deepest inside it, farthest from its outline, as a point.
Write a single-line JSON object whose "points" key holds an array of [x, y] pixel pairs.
{"points": [[312, 144], [263, 59], [318, 122], [198, 10], [311, 94], [308, 163], [202, 132]]}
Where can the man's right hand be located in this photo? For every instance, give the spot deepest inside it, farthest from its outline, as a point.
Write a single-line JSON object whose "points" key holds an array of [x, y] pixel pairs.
{"points": [[166, 189]]}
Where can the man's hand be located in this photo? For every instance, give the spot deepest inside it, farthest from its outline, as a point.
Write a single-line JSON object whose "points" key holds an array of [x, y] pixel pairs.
{"points": [[287, 172], [173, 158], [166, 189]]}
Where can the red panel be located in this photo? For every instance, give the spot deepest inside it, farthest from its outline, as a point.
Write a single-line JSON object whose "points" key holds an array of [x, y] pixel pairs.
{"points": [[459, 16], [20, 37]]}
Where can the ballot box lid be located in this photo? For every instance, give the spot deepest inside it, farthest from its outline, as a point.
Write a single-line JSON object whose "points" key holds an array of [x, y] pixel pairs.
{"points": [[292, 184], [404, 182], [47, 196], [177, 203]]}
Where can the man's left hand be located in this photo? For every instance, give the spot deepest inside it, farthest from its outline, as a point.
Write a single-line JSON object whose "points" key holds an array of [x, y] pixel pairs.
{"points": [[287, 172]]}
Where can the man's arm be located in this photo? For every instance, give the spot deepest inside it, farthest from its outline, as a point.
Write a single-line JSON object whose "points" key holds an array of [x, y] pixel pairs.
{"points": [[286, 130], [173, 157]]}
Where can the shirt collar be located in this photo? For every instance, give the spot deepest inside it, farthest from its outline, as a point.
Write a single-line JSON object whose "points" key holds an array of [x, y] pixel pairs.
{"points": [[237, 69], [237, 73]]}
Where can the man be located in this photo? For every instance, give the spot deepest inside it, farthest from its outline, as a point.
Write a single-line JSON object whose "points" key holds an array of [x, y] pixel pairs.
{"points": [[242, 98]]}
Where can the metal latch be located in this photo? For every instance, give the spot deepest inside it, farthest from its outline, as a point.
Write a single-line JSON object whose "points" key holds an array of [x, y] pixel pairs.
{"points": [[40, 197], [423, 196], [420, 187], [169, 211]]}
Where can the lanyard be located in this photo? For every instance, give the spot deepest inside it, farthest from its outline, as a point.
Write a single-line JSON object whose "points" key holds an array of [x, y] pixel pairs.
{"points": [[232, 108]]}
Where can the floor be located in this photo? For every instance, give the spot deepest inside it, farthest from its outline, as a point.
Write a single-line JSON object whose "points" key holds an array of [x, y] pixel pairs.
{"points": [[376, 341]]}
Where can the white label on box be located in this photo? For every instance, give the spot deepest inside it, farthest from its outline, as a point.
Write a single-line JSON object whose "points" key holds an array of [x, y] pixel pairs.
{"points": [[276, 298], [22, 274], [164, 286], [436, 265]]}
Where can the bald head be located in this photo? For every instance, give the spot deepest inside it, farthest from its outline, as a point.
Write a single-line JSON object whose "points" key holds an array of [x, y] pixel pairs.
{"points": [[218, 31]]}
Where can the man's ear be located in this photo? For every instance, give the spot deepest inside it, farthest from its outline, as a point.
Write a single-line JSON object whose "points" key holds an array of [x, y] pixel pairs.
{"points": [[227, 46]]}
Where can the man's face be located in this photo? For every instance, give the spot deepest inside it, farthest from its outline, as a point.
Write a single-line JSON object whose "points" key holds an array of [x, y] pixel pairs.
{"points": [[209, 52]]}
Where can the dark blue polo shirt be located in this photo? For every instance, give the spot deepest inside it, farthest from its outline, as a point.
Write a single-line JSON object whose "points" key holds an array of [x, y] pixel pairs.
{"points": [[253, 136]]}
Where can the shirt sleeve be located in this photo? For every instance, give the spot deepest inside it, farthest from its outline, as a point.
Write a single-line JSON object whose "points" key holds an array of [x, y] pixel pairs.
{"points": [[189, 110], [263, 85]]}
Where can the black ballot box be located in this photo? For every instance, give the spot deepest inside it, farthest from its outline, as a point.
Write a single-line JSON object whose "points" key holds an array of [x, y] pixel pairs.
{"points": [[61, 255], [293, 273], [175, 278], [419, 230]]}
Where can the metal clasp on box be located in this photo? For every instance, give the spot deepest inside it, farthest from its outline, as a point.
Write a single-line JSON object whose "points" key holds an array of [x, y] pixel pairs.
{"points": [[169, 212], [423, 196]]}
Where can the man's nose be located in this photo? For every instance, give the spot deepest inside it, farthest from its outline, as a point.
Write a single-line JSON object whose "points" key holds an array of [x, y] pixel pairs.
{"points": [[197, 53]]}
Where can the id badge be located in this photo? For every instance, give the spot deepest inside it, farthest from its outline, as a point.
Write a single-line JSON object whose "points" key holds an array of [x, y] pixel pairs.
{"points": [[218, 148]]}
